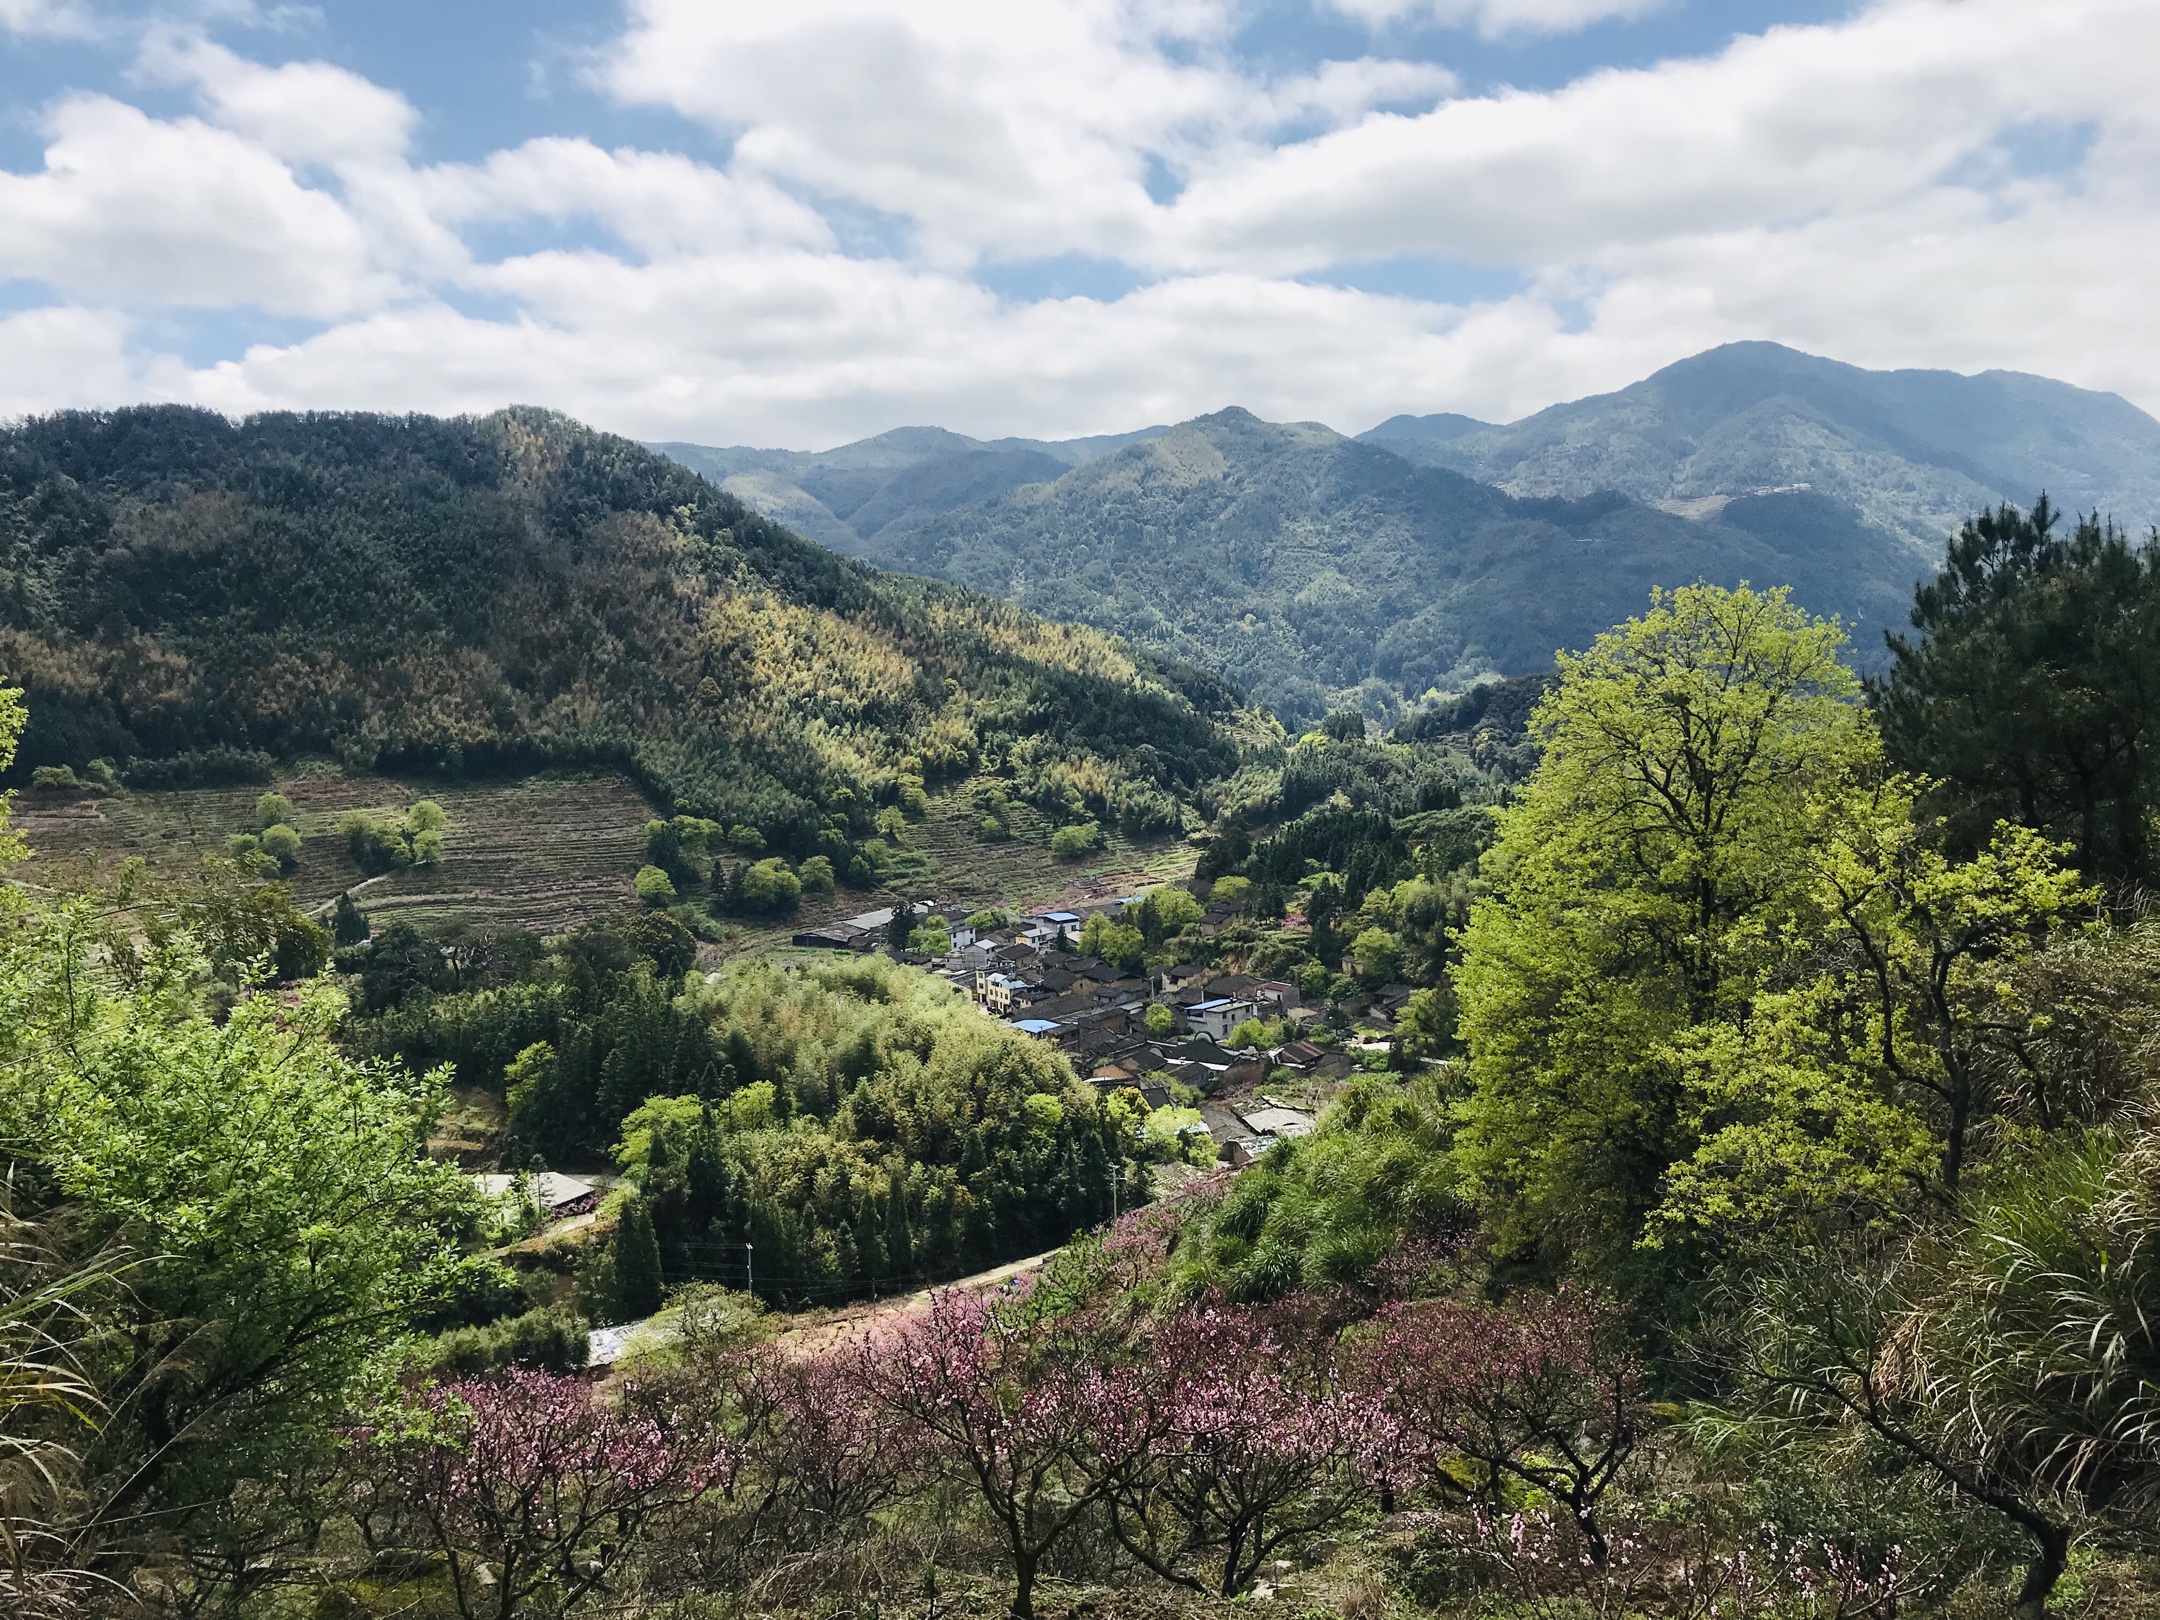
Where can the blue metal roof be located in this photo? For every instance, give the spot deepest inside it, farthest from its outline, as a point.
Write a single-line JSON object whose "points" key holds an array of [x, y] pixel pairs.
{"points": [[1034, 1026]]}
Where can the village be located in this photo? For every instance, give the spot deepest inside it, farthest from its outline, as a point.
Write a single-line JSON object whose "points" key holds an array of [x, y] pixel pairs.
{"points": [[1175, 1035]]}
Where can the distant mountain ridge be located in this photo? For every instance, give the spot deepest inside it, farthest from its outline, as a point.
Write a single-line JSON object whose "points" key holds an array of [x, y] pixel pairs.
{"points": [[1912, 452], [1314, 569], [1310, 566], [844, 497]]}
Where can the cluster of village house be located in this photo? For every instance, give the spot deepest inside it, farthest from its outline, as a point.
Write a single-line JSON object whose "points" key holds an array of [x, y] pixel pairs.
{"points": [[1031, 976]]}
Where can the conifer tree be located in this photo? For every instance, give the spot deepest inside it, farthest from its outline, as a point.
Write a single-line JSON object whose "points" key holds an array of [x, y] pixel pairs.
{"points": [[637, 1263]]}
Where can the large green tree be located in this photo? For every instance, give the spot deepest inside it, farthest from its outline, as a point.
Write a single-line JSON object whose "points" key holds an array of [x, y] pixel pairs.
{"points": [[2033, 689], [1644, 883]]}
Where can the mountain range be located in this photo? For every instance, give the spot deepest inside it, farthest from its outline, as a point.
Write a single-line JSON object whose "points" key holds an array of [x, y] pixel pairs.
{"points": [[1316, 568], [845, 498], [1911, 452]]}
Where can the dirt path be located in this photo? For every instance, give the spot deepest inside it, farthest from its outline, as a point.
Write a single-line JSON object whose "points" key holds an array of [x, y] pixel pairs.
{"points": [[813, 1338], [816, 1337]]}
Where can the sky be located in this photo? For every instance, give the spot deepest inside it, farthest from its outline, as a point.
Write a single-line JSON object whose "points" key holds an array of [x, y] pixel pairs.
{"points": [[799, 224]]}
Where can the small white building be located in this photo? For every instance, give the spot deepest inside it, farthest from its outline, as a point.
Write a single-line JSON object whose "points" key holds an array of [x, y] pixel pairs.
{"points": [[1216, 1019]]}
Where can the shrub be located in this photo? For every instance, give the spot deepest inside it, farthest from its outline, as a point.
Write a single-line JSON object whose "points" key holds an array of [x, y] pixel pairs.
{"points": [[1160, 1020], [1069, 843], [817, 876], [281, 844], [1123, 947], [1257, 1032], [654, 886], [54, 776], [375, 848], [768, 886], [273, 810], [552, 1339], [426, 816], [1230, 891], [1379, 956], [427, 846]]}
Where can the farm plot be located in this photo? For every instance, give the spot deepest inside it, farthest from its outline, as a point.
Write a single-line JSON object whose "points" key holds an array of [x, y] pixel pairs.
{"points": [[945, 855], [543, 852], [1020, 873]]}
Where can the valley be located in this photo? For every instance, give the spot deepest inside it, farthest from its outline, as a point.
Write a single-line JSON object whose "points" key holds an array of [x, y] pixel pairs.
{"points": [[480, 886]]}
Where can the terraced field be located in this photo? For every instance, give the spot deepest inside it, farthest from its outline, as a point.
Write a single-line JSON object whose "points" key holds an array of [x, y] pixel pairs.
{"points": [[945, 856], [544, 852], [547, 852]]}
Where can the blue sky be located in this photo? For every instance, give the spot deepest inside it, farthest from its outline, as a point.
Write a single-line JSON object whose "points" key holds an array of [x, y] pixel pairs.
{"points": [[797, 225]]}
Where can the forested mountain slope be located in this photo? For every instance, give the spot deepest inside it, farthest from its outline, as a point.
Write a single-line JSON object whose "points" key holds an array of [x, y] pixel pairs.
{"points": [[1301, 563], [1279, 556], [407, 592], [844, 497], [1914, 452]]}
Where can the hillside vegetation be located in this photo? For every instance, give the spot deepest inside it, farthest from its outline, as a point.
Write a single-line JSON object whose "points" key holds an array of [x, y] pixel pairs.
{"points": [[1305, 565], [1276, 554], [845, 496], [189, 598], [1740, 1201]]}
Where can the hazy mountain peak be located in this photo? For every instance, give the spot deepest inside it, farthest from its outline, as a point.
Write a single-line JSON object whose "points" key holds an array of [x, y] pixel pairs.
{"points": [[1440, 425], [1912, 452]]}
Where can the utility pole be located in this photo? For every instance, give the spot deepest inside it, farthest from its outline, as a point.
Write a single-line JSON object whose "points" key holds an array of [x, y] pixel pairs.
{"points": [[749, 1251]]}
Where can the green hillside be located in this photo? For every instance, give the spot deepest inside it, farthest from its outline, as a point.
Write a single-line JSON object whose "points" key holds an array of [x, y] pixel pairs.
{"points": [[189, 597], [1303, 564]]}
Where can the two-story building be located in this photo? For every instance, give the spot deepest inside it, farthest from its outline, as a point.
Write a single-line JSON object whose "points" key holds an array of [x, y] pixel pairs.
{"points": [[1217, 1018]]}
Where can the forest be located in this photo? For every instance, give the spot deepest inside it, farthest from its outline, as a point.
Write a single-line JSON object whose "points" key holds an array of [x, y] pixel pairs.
{"points": [[1752, 1211], [185, 599]]}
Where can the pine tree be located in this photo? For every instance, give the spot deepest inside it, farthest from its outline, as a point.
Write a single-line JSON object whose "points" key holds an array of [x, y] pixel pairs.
{"points": [[706, 1174], [637, 1263], [869, 1247], [349, 924], [899, 1241]]}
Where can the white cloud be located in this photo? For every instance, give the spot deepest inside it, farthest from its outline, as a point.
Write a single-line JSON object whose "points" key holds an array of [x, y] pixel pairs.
{"points": [[60, 357], [658, 202], [1011, 131], [989, 126], [48, 19], [1494, 18], [304, 112], [1776, 129], [133, 208], [1817, 185]]}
